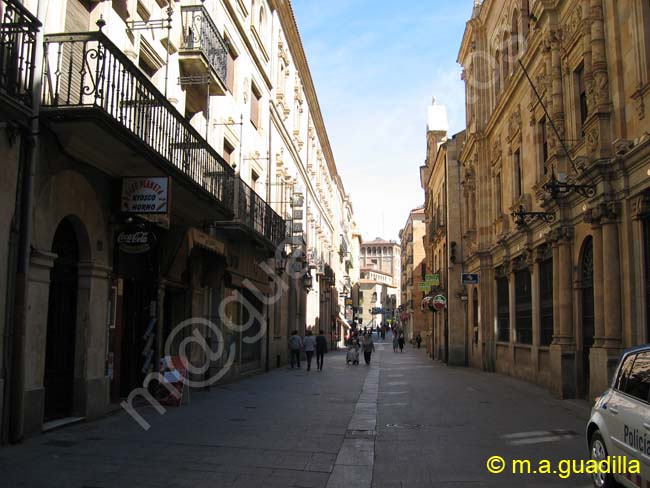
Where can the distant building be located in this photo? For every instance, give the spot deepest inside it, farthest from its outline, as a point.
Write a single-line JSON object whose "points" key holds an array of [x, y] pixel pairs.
{"points": [[414, 271], [380, 277]]}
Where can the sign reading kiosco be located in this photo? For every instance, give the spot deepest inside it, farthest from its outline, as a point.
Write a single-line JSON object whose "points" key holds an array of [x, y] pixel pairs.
{"points": [[145, 195]]}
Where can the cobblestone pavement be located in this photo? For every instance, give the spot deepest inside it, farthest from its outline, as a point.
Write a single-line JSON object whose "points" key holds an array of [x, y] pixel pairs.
{"points": [[405, 421]]}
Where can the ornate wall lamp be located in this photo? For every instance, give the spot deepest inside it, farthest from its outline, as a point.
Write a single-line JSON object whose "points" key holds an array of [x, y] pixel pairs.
{"points": [[560, 187], [523, 219]]}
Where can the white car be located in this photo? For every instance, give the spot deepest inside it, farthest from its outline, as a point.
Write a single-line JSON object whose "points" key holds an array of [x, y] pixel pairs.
{"points": [[620, 422]]}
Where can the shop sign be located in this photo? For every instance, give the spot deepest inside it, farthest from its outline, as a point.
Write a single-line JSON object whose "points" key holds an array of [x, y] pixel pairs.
{"points": [[433, 279], [470, 279], [135, 242], [439, 302], [145, 195]]}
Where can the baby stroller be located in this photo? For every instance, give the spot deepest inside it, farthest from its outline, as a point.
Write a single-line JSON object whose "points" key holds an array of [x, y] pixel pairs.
{"points": [[353, 354]]}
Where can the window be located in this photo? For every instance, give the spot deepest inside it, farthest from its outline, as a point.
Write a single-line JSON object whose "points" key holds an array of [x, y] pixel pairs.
{"points": [[505, 59], [523, 308], [255, 181], [543, 145], [498, 202], [638, 382], [581, 96], [230, 66], [228, 150], [514, 39], [497, 75], [546, 302], [624, 373], [256, 98], [518, 176], [503, 310]]}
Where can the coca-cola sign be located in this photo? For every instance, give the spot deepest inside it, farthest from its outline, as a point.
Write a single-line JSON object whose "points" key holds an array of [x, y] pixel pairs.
{"points": [[135, 242]]}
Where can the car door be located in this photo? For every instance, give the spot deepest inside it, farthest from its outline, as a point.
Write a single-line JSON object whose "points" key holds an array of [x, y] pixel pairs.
{"points": [[634, 413], [614, 423]]}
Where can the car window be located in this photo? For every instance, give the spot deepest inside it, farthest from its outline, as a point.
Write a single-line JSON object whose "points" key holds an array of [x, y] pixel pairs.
{"points": [[638, 382], [624, 373]]}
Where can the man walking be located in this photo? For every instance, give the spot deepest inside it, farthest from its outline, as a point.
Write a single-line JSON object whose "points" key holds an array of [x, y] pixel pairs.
{"points": [[295, 344], [309, 343], [368, 347], [418, 339], [321, 349]]}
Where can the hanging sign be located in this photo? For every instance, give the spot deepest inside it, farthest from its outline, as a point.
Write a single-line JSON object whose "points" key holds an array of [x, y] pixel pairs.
{"points": [[439, 302], [470, 279], [135, 242], [145, 195]]}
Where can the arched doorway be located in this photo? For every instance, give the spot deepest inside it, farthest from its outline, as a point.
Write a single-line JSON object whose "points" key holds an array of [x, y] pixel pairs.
{"points": [[61, 324], [587, 308]]}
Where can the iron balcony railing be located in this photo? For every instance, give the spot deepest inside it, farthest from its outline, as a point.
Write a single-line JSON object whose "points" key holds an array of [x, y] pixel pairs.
{"points": [[18, 30], [252, 212], [87, 70], [200, 33]]}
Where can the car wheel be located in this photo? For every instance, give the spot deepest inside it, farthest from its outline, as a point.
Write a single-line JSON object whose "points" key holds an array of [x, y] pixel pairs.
{"points": [[598, 452]]}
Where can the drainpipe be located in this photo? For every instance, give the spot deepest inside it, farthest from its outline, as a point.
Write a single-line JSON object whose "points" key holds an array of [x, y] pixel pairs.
{"points": [[16, 374]]}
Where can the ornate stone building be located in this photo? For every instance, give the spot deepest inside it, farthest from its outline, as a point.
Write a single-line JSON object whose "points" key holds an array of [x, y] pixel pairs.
{"points": [[555, 182], [414, 320], [162, 160]]}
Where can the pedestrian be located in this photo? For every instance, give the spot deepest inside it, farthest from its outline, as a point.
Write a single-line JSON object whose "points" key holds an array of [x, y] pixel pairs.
{"points": [[321, 349], [418, 340], [352, 355], [368, 347], [400, 341], [295, 344], [309, 344], [395, 341]]}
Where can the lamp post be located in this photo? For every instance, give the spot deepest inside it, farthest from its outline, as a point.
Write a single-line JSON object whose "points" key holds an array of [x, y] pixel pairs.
{"points": [[560, 187], [523, 219]]}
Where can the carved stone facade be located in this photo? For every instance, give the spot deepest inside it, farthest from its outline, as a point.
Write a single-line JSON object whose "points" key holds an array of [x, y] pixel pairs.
{"points": [[568, 295]]}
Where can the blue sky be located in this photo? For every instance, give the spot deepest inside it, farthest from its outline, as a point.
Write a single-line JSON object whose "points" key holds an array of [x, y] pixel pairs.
{"points": [[376, 64]]}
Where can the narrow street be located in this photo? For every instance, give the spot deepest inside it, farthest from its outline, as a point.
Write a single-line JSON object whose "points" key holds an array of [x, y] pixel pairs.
{"points": [[405, 421]]}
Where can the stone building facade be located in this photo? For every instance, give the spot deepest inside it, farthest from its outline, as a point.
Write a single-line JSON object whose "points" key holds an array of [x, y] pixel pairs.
{"points": [[178, 173], [555, 96], [414, 320]]}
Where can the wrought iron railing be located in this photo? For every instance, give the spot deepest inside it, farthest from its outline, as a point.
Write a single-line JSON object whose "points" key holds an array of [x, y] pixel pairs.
{"points": [[255, 213], [18, 30], [87, 70], [200, 33]]}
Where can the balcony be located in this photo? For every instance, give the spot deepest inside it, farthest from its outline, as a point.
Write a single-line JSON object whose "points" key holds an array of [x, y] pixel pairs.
{"points": [[253, 216], [203, 53], [18, 30], [107, 112]]}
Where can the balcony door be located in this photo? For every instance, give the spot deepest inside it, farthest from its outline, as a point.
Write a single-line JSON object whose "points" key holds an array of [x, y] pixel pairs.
{"points": [[587, 307]]}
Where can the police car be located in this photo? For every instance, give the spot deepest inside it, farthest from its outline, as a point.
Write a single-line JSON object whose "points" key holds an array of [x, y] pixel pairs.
{"points": [[619, 427]]}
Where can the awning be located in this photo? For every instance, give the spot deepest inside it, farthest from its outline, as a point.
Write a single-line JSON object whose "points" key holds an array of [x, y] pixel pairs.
{"points": [[200, 239], [239, 281], [342, 320]]}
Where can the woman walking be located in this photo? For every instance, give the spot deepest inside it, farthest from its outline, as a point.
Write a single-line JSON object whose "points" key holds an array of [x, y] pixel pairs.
{"points": [[395, 341], [368, 347], [401, 341], [310, 346]]}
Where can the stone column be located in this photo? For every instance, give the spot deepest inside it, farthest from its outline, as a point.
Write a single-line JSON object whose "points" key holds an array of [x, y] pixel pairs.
{"points": [[612, 277], [563, 360], [38, 293], [91, 385]]}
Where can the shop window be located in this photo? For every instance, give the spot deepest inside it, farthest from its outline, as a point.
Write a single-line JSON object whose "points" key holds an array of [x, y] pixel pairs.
{"points": [[546, 302], [523, 308], [475, 311], [503, 310]]}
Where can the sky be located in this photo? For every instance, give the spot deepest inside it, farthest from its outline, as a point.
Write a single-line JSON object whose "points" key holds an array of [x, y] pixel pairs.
{"points": [[376, 64]]}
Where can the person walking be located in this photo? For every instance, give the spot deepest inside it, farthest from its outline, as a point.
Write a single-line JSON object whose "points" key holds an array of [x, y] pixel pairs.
{"points": [[400, 341], [295, 344], [321, 349], [418, 340], [309, 344], [395, 341], [368, 347]]}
